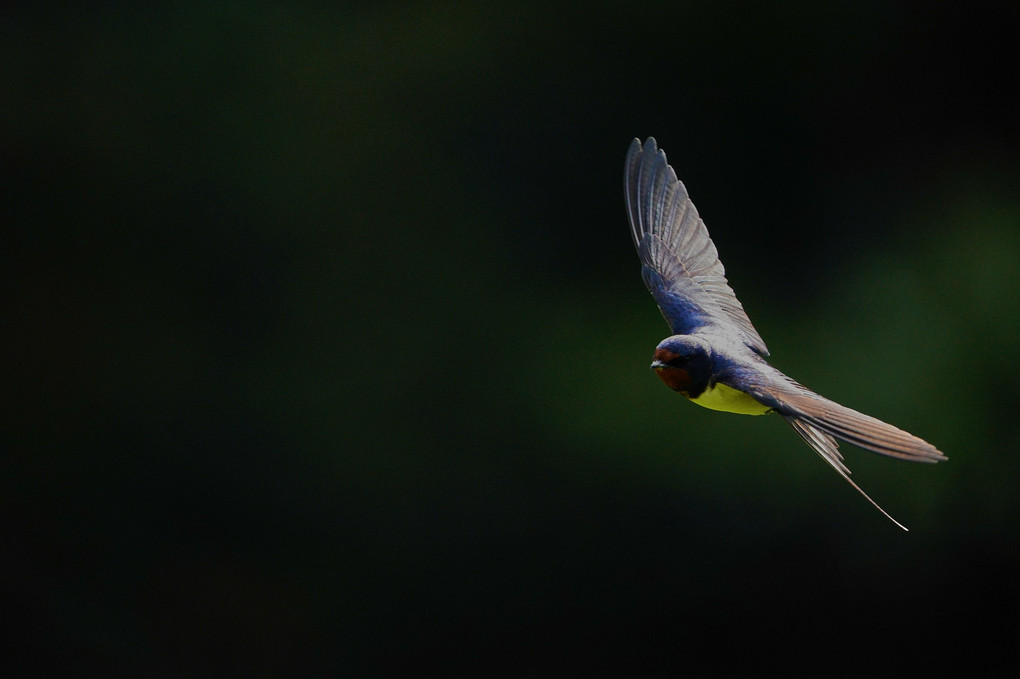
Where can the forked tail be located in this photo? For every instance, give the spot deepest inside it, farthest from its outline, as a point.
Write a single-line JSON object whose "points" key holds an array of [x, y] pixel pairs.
{"points": [[828, 448]]}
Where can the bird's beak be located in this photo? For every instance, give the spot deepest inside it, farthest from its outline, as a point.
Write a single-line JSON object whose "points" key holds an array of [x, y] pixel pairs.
{"points": [[658, 365]]}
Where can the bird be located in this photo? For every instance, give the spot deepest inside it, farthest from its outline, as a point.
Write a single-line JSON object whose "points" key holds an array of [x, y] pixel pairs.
{"points": [[715, 357]]}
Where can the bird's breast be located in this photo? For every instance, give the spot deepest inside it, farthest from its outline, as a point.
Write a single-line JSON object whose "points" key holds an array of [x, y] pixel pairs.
{"points": [[721, 397]]}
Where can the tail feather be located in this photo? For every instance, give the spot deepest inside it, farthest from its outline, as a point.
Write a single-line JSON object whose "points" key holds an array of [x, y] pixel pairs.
{"points": [[820, 422], [828, 448]]}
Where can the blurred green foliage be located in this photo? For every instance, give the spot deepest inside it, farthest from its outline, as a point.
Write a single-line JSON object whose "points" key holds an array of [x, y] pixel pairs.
{"points": [[325, 349]]}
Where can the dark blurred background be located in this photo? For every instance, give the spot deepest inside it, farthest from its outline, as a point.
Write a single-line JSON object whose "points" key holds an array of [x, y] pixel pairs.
{"points": [[325, 350]]}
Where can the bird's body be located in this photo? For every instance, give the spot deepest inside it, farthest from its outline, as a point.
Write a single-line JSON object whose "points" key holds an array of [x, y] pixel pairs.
{"points": [[716, 358]]}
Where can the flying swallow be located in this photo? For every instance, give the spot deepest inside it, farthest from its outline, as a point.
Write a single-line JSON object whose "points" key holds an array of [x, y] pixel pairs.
{"points": [[715, 357]]}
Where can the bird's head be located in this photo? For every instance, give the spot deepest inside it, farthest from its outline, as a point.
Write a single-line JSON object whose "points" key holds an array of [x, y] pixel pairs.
{"points": [[684, 363]]}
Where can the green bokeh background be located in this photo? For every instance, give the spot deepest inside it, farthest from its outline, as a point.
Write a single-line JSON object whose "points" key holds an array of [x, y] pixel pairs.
{"points": [[325, 351]]}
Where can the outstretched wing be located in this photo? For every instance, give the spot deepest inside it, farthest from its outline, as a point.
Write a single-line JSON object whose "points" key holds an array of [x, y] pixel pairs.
{"points": [[680, 264], [820, 422], [790, 399]]}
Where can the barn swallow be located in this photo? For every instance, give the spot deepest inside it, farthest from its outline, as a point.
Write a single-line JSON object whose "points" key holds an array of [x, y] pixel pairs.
{"points": [[715, 357]]}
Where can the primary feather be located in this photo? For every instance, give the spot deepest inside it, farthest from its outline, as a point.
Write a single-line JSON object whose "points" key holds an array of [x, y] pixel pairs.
{"points": [[680, 264]]}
